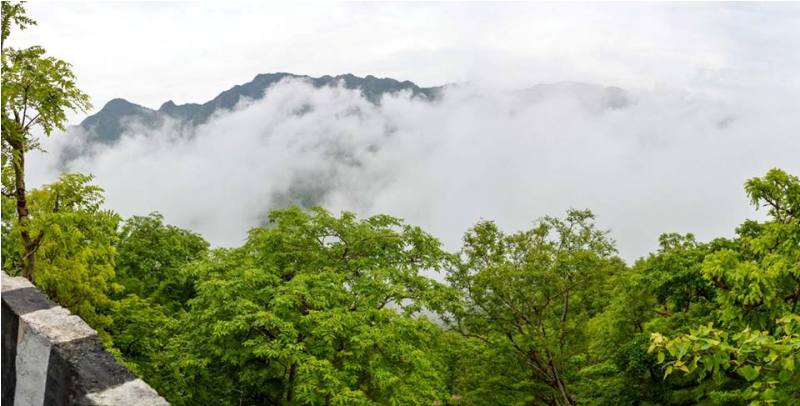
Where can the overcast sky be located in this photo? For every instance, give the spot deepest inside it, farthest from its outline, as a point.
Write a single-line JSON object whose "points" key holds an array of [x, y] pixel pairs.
{"points": [[713, 94], [190, 51]]}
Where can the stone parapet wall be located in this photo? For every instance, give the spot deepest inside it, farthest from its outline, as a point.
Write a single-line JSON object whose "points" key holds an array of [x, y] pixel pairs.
{"points": [[52, 357]]}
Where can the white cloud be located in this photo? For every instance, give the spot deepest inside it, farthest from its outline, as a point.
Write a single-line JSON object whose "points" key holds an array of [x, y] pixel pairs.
{"points": [[669, 161]]}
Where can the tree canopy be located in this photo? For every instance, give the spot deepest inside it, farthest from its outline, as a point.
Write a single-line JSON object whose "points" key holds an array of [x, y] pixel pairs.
{"points": [[317, 308]]}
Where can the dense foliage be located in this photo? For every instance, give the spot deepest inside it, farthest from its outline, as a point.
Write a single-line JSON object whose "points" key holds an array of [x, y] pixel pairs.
{"points": [[322, 309], [750, 345]]}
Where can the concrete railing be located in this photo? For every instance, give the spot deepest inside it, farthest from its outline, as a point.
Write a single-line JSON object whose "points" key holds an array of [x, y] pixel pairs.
{"points": [[51, 357]]}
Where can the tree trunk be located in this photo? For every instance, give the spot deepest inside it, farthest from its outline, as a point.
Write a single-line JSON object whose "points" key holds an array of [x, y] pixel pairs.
{"points": [[28, 244], [290, 388], [566, 396], [561, 386]]}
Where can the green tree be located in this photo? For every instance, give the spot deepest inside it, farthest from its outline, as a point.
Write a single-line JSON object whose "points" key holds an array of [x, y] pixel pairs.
{"points": [[150, 258], [38, 90], [665, 292], [141, 331], [76, 259], [313, 309], [156, 286], [534, 292], [753, 343]]}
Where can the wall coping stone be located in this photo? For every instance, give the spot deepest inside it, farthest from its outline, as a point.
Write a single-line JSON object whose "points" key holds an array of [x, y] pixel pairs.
{"points": [[52, 357]]}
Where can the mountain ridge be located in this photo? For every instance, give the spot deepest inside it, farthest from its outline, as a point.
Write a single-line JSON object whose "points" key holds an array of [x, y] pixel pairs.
{"points": [[107, 125]]}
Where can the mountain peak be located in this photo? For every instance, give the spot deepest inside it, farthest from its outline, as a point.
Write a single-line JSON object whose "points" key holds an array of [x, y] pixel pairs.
{"points": [[120, 104], [107, 123], [118, 101], [168, 105]]}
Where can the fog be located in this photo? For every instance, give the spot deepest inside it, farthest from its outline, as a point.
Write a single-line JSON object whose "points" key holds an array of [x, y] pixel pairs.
{"points": [[646, 161]]}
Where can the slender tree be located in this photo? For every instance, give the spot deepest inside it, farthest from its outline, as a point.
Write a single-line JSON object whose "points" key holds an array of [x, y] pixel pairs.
{"points": [[37, 90], [533, 292]]}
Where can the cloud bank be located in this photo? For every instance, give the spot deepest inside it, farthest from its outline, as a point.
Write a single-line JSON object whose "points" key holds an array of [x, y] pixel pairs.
{"points": [[645, 162]]}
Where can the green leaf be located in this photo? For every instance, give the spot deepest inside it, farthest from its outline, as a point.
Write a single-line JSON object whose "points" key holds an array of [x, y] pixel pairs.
{"points": [[788, 363], [749, 372]]}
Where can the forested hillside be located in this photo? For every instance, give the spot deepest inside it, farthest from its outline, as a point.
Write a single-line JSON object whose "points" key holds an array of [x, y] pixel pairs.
{"points": [[322, 308]]}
